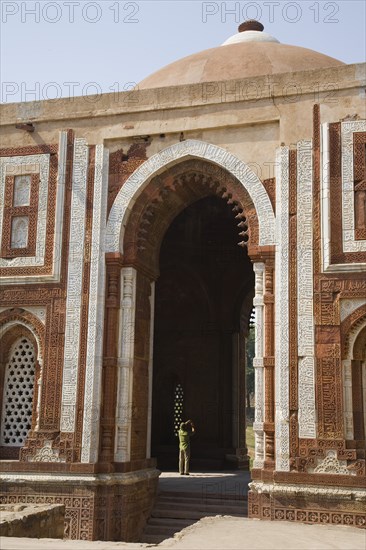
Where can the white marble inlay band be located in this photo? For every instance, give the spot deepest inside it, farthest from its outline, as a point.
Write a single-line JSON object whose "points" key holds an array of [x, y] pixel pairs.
{"points": [[94, 353], [74, 286], [282, 352], [305, 291], [258, 304]]}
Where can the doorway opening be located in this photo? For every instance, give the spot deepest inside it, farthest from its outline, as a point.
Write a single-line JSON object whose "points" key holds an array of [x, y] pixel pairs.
{"points": [[203, 304]]}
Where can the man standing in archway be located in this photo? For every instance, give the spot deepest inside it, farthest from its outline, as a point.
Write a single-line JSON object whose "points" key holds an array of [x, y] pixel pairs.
{"points": [[186, 430]]}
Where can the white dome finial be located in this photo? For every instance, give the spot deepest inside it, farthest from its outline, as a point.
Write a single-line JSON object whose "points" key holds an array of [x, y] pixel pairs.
{"points": [[250, 31]]}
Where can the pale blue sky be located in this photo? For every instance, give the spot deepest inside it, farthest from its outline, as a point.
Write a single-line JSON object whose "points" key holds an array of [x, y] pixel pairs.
{"points": [[75, 47]]}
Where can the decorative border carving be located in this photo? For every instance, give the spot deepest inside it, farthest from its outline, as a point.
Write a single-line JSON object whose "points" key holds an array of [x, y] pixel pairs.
{"points": [[74, 287], [168, 194], [93, 374], [30, 211], [305, 296], [176, 153], [258, 303], [47, 179], [14, 316], [292, 305], [341, 252], [348, 131], [285, 502], [45, 266], [282, 312], [351, 327]]}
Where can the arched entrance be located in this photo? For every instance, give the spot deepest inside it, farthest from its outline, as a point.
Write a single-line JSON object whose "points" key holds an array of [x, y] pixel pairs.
{"points": [[199, 365], [196, 197]]}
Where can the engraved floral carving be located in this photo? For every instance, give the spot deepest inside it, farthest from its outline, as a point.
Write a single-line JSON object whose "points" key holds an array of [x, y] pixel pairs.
{"points": [[46, 454]]}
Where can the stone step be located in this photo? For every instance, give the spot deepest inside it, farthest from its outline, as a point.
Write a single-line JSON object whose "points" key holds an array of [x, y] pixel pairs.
{"points": [[168, 531], [152, 539], [191, 514], [173, 522], [222, 509], [204, 494], [202, 500]]}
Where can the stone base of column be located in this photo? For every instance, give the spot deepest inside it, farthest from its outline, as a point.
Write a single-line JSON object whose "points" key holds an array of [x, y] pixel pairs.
{"points": [[112, 507], [307, 503], [238, 461]]}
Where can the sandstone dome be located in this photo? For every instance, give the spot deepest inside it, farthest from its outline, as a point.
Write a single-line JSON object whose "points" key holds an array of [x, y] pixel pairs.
{"points": [[249, 53]]}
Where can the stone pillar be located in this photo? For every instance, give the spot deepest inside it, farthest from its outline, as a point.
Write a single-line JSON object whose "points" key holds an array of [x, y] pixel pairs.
{"points": [[241, 459], [109, 383], [268, 364], [126, 345], [347, 399], [151, 366], [258, 303]]}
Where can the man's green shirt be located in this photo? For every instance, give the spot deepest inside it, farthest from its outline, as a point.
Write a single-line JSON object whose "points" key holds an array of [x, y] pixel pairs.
{"points": [[184, 439]]}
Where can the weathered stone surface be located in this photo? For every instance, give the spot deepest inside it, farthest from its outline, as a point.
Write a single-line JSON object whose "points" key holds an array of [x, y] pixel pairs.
{"points": [[32, 520]]}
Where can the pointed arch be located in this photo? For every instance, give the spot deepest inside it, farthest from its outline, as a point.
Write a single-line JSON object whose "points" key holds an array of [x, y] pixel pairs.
{"points": [[353, 334], [137, 182]]}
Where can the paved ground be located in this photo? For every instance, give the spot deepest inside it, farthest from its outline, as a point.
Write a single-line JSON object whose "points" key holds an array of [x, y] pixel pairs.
{"points": [[220, 532], [220, 483]]}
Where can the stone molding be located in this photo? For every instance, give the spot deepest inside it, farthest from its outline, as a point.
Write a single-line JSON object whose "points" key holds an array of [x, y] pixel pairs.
{"points": [[128, 478], [136, 183], [344, 493]]}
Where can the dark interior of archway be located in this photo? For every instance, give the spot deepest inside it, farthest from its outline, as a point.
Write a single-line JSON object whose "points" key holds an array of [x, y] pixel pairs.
{"points": [[204, 279]]}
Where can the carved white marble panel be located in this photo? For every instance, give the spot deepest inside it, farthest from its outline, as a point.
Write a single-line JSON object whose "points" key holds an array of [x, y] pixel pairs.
{"points": [[20, 167], [282, 323], [126, 346], [22, 188], [348, 206], [258, 303], [94, 353], [19, 232], [173, 154], [74, 286], [305, 291], [331, 465]]}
